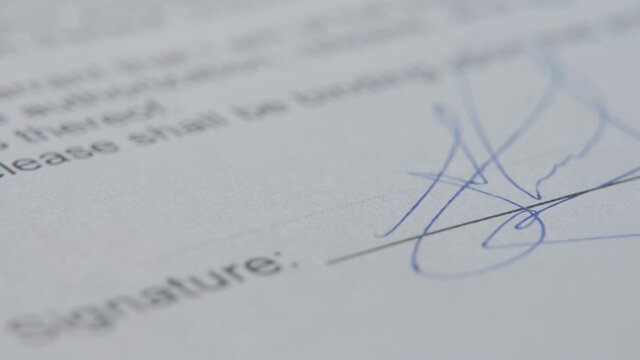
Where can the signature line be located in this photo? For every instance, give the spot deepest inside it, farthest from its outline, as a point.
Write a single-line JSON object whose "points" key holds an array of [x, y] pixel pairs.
{"points": [[375, 249]]}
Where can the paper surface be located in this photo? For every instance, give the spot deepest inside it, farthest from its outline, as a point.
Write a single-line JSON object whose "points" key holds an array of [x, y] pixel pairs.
{"points": [[320, 180]]}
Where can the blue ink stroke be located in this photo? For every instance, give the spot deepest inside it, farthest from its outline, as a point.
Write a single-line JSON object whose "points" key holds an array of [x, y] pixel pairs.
{"points": [[560, 80]]}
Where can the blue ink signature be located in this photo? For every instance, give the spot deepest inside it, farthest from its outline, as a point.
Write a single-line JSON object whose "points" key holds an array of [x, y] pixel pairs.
{"points": [[560, 80]]}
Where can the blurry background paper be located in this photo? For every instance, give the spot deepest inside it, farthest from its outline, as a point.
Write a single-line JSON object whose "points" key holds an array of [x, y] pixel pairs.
{"points": [[319, 179]]}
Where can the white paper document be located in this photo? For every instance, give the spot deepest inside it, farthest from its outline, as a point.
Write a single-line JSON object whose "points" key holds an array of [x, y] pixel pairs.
{"points": [[408, 179]]}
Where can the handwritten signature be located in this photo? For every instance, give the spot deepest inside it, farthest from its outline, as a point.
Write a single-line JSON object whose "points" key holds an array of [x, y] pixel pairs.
{"points": [[559, 81]]}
